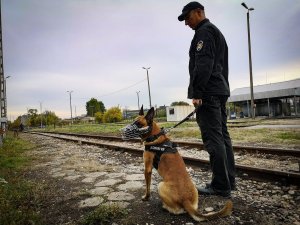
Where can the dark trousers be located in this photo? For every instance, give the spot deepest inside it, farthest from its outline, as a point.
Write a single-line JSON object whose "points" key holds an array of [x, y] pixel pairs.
{"points": [[212, 119]]}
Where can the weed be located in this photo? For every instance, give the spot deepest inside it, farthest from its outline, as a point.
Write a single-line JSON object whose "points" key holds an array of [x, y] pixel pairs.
{"points": [[104, 215], [11, 157], [17, 196], [17, 203], [289, 135]]}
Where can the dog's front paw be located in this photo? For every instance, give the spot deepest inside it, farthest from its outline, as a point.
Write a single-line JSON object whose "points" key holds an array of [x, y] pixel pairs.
{"points": [[146, 197]]}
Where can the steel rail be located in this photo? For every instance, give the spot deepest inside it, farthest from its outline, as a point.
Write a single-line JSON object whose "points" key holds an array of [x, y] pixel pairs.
{"points": [[248, 171], [236, 148]]}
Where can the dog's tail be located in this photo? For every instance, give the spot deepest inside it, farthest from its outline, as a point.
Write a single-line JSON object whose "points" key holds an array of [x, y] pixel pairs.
{"points": [[225, 211]]}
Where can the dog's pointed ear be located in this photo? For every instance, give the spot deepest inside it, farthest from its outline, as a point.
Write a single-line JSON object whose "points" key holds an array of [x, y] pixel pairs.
{"points": [[150, 115], [141, 113]]}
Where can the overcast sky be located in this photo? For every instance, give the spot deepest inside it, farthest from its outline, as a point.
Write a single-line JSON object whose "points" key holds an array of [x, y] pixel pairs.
{"points": [[97, 48]]}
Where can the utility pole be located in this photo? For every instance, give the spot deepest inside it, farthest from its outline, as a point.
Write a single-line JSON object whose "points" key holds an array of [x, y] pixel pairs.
{"points": [[41, 107], [5, 96], [250, 61], [70, 92], [148, 85], [3, 119], [138, 97]]}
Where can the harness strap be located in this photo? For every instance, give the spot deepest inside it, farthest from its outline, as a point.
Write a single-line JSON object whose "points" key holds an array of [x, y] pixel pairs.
{"points": [[164, 148], [168, 146]]}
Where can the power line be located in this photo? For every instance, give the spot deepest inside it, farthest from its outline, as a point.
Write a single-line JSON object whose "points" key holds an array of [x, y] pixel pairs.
{"points": [[120, 90], [123, 89]]}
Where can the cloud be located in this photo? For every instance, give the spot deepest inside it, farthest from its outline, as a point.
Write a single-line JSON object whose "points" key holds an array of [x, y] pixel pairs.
{"points": [[98, 49]]}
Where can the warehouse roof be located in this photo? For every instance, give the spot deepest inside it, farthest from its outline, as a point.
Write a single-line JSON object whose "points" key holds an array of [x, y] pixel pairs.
{"points": [[274, 90]]}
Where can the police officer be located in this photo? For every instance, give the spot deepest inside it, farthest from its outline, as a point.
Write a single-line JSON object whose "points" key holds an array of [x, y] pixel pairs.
{"points": [[209, 89]]}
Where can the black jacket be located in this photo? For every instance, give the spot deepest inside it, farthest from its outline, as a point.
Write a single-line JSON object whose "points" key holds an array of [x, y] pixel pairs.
{"points": [[208, 66]]}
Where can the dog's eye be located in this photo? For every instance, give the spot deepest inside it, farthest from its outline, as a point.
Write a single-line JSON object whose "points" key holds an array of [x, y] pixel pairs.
{"points": [[138, 124]]}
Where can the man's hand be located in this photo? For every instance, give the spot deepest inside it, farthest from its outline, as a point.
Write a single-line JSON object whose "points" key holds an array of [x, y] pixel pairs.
{"points": [[197, 102]]}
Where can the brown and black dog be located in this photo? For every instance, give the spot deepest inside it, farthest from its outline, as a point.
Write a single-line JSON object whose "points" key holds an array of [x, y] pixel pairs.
{"points": [[177, 190]]}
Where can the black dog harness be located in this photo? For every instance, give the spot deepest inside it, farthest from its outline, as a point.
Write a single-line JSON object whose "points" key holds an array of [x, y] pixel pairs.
{"points": [[163, 148]]}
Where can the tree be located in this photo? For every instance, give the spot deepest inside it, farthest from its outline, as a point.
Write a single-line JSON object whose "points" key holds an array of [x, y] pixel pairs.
{"points": [[93, 106], [16, 123], [161, 112], [32, 112], [50, 118], [112, 115], [179, 103], [47, 118], [32, 116], [99, 117]]}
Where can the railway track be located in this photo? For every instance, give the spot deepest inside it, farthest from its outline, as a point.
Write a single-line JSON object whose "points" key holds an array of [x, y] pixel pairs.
{"points": [[199, 145], [285, 177]]}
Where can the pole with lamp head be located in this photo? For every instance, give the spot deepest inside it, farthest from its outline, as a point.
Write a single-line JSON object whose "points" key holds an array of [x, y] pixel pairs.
{"points": [[138, 98], [148, 85], [70, 92], [250, 61]]}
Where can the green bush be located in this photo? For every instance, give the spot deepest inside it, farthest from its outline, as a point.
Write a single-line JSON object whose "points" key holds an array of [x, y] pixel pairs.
{"points": [[112, 115]]}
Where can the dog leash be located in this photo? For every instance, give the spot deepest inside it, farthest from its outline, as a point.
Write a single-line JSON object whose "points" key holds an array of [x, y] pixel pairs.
{"points": [[182, 121]]}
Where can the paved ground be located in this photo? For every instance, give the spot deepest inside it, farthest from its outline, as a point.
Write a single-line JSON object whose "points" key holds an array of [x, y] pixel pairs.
{"points": [[77, 178]]}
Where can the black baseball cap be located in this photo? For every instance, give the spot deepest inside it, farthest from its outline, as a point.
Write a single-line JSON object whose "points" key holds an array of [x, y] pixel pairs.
{"points": [[189, 7]]}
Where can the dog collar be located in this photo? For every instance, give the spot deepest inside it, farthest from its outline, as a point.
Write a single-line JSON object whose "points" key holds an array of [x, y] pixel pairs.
{"points": [[154, 137]]}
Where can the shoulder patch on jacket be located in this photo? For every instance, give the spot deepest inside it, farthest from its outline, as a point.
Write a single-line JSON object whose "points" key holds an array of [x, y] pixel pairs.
{"points": [[199, 45]]}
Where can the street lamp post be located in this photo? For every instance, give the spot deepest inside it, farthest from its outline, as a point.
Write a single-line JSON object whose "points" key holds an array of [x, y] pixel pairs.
{"points": [[138, 98], [148, 85], [70, 92], [250, 60]]}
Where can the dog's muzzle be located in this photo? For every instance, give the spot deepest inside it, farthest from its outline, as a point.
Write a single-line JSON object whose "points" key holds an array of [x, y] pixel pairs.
{"points": [[132, 131]]}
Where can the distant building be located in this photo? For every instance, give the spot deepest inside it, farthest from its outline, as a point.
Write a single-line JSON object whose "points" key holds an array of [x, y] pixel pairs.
{"points": [[130, 114], [179, 112], [272, 100], [86, 119]]}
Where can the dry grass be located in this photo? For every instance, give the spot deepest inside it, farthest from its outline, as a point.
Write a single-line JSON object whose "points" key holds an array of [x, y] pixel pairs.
{"points": [[280, 137], [286, 138]]}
